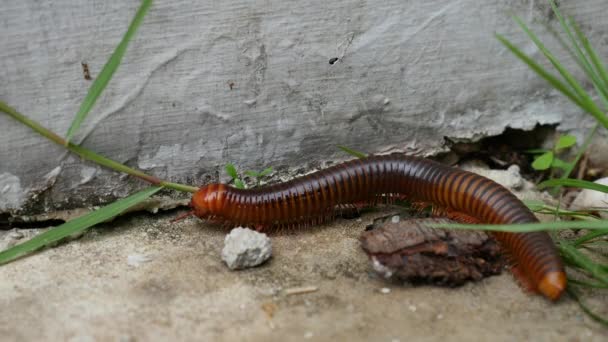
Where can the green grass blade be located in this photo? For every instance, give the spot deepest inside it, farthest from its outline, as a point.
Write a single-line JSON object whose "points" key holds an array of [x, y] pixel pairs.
{"points": [[581, 39], [88, 154], [352, 152], [542, 72], [108, 70], [582, 60], [584, 307], [76, 225], [587, 283], [582, 261], [527, 227], [599, 74], [590, 236], [580, 152], [578, 183], [586, 100]]}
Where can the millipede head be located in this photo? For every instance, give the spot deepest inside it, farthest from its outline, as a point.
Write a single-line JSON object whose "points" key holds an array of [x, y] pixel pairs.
{"points": [[208, 200]]}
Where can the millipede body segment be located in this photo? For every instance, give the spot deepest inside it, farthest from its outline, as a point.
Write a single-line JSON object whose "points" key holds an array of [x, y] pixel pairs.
{"points": [[312, 199]]}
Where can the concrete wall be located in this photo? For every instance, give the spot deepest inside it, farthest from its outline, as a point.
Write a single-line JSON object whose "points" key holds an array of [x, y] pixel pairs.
{"points": [[249, 82]]}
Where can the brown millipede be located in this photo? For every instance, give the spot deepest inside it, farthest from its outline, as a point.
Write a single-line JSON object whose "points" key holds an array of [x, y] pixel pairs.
{"points": [[312, 198]]}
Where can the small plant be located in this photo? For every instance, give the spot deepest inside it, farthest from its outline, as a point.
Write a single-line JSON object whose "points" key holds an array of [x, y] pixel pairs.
{"points": [[548, 159], [238, 182]]}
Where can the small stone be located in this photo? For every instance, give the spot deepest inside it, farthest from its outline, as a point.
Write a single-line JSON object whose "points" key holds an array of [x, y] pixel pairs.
{"points": [[244, 248], [592, 200], [385, 290], [395, 219], [308, 335], [16, 235], [135, 260], [412, 308]]}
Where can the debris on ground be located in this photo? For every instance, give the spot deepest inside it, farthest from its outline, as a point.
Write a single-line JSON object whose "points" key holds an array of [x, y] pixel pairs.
{"points": [[592, 199], [410, 250], [244, 248], [300, 290]]}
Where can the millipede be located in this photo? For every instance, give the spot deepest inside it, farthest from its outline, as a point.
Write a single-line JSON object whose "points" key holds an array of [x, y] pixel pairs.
{"points": [[312, 199]]}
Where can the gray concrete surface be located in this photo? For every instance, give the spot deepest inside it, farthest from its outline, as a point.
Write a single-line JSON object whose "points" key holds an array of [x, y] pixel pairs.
{"points": [[146, 279], [143, 278], [249, 82]]}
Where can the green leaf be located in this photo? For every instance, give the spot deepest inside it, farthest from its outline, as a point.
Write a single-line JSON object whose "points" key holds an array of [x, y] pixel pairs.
{"points": [[543, 162], [266, 171], [352, 152], [565, 141], [108, 70], [76, 225], [253, 174], [231, 171], [581, 151], [577, 183], [239, 184], [560, 164]]}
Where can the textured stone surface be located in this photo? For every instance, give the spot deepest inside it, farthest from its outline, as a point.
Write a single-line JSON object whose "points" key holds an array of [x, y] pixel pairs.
{"points": [[249, 82], [146, 279], [244, 248]]}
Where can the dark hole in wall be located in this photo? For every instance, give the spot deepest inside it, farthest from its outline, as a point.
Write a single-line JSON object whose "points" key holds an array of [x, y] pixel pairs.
{"points": [[7, 223], [502, 151]]}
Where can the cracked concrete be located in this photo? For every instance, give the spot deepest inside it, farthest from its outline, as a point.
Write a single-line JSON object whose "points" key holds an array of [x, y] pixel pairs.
{"points": [[145, 278], [204, 84]]}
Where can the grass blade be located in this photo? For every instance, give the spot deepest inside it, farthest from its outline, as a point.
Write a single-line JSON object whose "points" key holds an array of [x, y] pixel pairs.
{"points": [[527, 227], [598, 73], [580, 152], [590, 236], [578, 183], [582, 261], [585, 99], [587, 283], [90, 155], [352, 152], [580, 57], [554, 81], [76, 225], [108, 70], [584, 307]]}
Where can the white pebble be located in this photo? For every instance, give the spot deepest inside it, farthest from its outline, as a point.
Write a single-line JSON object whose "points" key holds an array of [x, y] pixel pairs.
{"points": [[136, 260], [591, 199], [244, 248], [412, 308], [385, 290], [395, 219], [308, 335]]}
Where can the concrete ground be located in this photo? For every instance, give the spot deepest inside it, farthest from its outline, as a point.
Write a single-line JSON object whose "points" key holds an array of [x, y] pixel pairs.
{"points": [[144, 278]]}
